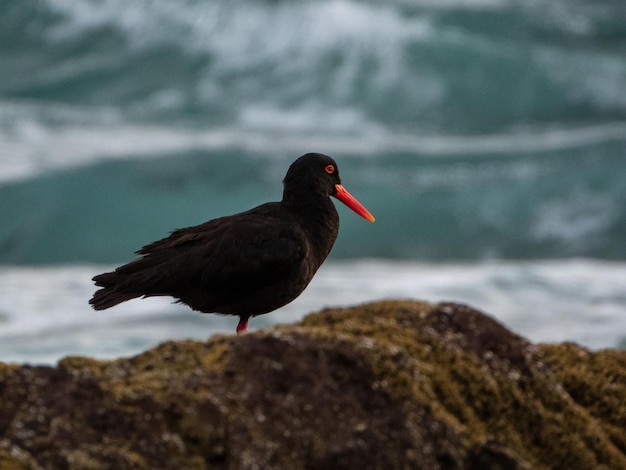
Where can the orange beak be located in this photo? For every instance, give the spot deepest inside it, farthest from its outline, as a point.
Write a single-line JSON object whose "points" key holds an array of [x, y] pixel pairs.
{"points": [[350, 201]]}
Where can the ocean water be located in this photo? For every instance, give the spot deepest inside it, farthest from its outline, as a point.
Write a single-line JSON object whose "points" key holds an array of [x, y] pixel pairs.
{"points": [[488, 137]]}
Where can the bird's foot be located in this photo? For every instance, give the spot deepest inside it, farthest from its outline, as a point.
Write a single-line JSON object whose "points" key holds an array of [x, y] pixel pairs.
{"points": [[242, 326]]}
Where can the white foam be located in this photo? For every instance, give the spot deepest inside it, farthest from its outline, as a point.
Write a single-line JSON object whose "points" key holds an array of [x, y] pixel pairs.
{"points": [[577, 300], [236, 31], [31, 148], [578, 220], [44, 313]]}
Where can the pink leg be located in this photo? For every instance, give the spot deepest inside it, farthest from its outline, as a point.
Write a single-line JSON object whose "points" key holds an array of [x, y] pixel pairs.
{"points": [[242, 326]]}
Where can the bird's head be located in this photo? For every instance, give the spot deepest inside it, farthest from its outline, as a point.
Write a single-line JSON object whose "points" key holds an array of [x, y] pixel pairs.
{"points": [[318, 173]]}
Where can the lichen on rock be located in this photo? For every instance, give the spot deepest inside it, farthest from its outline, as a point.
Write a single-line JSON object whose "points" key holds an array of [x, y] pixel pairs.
{"points": [[390, 384]]}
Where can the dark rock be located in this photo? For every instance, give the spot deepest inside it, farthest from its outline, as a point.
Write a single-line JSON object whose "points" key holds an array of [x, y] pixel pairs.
{"points": [[389, 385]]}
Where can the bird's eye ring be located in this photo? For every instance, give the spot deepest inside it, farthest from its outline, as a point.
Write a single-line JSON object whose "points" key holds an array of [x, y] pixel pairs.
{"points": [[330, 169]]}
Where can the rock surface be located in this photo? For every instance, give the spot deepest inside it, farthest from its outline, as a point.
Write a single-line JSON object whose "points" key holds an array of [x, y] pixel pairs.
{"points": [[389, 385]]}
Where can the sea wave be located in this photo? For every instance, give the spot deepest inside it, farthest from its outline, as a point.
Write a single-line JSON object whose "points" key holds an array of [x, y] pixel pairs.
{"points": [[44, 312], [33, 149], [431, 65], [472, 129], [531, 205]]}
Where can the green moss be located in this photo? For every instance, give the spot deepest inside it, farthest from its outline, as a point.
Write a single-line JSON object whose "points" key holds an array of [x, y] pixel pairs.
{"points": [[596, 382], [484, 396], [7, 369], [391, 384], [14, 458]]}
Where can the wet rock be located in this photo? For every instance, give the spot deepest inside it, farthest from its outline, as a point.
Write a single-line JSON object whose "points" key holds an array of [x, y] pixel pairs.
{"points": [[393, 384]]}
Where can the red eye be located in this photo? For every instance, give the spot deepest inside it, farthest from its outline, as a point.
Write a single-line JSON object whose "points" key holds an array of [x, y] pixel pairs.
{"points": [[330, 169]]}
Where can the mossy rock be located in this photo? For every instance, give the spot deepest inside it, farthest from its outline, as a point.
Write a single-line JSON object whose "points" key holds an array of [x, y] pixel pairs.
{"points": [[390, 385]]}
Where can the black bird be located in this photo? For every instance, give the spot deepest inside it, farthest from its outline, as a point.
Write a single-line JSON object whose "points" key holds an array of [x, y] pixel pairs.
{"points": [[245, 264]]}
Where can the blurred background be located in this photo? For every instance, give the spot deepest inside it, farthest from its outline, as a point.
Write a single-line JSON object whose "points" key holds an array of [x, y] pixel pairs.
{"points": [[488, 137]]}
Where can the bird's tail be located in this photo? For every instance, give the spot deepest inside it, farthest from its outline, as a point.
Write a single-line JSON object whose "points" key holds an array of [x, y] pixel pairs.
{"points": [[136, 279], [112, 292]]}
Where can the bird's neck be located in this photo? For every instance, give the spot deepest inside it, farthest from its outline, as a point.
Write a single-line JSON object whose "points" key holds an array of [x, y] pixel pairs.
{"points": [[318, 216]]}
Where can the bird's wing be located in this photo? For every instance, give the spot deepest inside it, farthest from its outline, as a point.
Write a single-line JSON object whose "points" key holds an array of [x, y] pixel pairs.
{"points": [[257, 253], [183, 236], [256, 247], [216, 265]]}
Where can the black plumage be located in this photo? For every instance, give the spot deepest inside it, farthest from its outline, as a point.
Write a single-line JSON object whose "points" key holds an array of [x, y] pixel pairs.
{"points": [[245, 264]]}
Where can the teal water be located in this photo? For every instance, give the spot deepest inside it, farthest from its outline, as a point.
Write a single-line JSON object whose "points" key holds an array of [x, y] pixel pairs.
{"points": [[528, 206], [483, 129], [477, 132]]}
